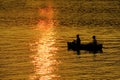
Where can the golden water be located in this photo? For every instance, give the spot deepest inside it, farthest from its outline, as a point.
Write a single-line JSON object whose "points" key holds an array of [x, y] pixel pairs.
{"points": [[40, 52], [30, 54]]}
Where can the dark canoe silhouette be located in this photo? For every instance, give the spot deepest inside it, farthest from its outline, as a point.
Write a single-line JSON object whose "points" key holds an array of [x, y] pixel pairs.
{"points": [[88, 47]]}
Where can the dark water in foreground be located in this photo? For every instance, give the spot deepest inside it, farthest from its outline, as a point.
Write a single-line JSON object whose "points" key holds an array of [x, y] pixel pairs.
{"points": [[29, 54]]}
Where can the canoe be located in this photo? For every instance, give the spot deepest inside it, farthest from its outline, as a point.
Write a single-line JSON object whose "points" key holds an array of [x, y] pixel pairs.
{"points": [[89, 46]]}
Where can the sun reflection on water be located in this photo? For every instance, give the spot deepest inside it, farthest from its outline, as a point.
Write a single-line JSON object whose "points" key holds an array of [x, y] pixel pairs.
{"points": [[46, 14], [44, 60], [45, 64]]}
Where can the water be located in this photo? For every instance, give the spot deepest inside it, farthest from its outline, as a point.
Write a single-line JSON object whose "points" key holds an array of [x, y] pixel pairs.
{"points": [[33, 48], [41, 54]]}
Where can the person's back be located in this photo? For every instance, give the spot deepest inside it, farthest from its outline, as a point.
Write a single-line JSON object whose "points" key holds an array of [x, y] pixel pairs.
{"points": [[94, 40], [78, 41]]}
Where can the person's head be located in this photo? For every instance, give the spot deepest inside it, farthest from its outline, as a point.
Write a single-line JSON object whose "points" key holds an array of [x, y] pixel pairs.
{"points": [[94, 37]]}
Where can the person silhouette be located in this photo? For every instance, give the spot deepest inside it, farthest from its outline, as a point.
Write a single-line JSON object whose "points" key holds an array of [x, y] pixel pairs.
{"points": [[94, 40], [78, 42]]}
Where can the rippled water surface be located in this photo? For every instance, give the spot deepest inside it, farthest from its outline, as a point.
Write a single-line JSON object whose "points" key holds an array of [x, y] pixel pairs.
{"points": [[34, 36], [41, 54]]}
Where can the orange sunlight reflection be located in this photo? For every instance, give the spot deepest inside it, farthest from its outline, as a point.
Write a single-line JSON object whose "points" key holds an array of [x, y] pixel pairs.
{"points": [[44, 61], [45, 64], [46, 20]]}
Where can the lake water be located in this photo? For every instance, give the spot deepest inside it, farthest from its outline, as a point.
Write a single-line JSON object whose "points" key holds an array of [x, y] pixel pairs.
{"points": [[41, 54], [33, 48]]}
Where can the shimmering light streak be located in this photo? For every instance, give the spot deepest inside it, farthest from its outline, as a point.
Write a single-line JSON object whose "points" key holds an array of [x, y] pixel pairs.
{"points": [[44, 60], [47, 17]]}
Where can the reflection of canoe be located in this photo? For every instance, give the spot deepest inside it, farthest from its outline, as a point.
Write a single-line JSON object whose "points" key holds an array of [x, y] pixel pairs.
{"points": [[89, 46]]}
